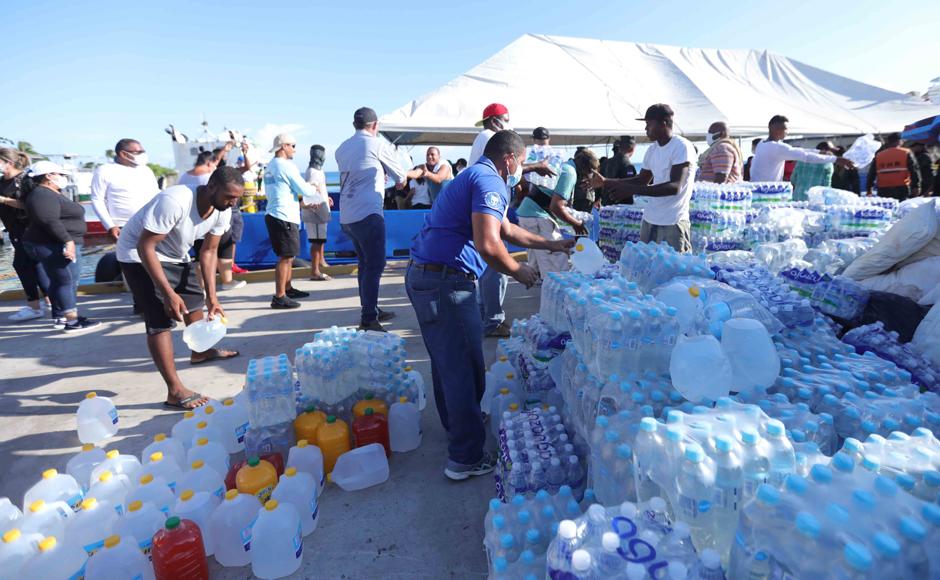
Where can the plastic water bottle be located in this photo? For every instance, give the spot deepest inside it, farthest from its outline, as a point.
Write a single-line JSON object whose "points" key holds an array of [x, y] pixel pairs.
{"points": [[91, 525], [404, 426], [230, 528], [185, 428], [233, 419], [49, 518], [162, 468], [55, 486], [277, 541], [97, 419], [300, 490], [82, 463], [154, 491], [140, 522], [111, 489], [197, 506], [119, 558], [15, 549], [201, 477], [56, 560], [203, 334], [116, 463], [210, 452], [170, 447], [309, 459]]}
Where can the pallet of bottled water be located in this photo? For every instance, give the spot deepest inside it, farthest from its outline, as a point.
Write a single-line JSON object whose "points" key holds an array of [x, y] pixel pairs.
{"points": [[764, 193], [618, 225], [875, 338], [772, 292], [833, 256], [650, 264], [269, 384], [850, 221], [839, 297], [547, 154]]}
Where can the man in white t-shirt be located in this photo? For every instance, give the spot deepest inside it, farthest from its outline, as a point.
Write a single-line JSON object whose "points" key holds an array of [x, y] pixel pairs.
{"points": [[666, 179], [121, 188], [772, 153], [153, 251]]}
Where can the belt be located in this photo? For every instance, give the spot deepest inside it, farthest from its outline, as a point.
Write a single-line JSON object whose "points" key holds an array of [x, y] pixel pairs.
{"points": [[443, 269]]}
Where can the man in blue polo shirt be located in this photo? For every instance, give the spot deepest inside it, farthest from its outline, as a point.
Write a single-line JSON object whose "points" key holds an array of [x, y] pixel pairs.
{"points": [[462, 236]]}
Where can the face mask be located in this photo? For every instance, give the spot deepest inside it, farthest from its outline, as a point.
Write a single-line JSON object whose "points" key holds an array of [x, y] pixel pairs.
{"points": [[710, 138], [514, 179], [501, 125], [140, 159], [61, 181]]}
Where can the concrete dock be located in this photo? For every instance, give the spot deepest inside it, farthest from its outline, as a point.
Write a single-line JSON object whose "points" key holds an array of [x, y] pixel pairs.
{"points": [[418, 524]]}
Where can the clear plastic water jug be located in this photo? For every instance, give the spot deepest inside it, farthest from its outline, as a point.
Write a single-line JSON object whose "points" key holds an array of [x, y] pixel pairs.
{"points": [[97, 419], [10, 515], [47, 518], [170, 447], [117, 462], [83, 463], [154, 491], [404, 426], [230, 528], [361, 468], [202, 335], [56, 560], [300, 490], [55, 486], [197, 506], [201, 477], [233, 418], [163, 468], [119, 558], [309, 459], [111, 489], [91, 525], [15, 549], [277, 540], [140, 522], [210, 452]]}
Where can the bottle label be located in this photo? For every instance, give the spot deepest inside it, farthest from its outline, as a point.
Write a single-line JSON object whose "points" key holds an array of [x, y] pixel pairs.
{"points": [[246, 534], [114, 416], [264, 494], [119, 509], [80, 574], [240, 432], [298, 542], [314, 506], [220, 492], [75, 502], [145, 547], [693, 508], [94, 547]]}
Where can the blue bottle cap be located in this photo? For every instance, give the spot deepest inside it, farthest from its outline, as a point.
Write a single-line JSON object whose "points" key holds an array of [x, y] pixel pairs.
{"points": [[932, 478], [885, 486], [797, 435], [912, 529], [500, 564], [548, 512], [518, 501], [843, 462], [871, 463], [750, 436], [808, 525], [495, 504], [610, 435], [768, 494], [858, 556], [694, 453], [532, 535], [821, 474], [931, 513], [864, 500], [796, 484], [542, 495], [724, 443], [602, 421], [886, 545], [775, 428], [907, 482], [673, 433], [624, 451], [507, 541], [524, 517], [499, 522]]}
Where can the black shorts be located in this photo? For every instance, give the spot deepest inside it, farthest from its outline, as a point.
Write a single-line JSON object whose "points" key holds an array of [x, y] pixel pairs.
{"points": [[284, 236], [226, 249], [182, 278]]}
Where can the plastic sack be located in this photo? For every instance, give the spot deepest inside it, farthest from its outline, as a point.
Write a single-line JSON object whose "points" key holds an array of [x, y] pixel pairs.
{"points": [[862, 151], [926, 340], [903, 239], [898, 313], [913, 281]]}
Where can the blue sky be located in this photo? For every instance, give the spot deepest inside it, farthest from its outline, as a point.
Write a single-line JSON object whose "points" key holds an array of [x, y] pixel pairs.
{"points": [[76, 76]]}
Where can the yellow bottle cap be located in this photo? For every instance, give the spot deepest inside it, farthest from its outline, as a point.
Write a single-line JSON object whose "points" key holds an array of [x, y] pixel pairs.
{"points": [[188, 415], [271, 505], [201, 425], [403, 399], [47, 544], [303, 443], [37, 505], [91, 395], [198, 464], [156, 456], [503, 358], [112, 454], [407, 369], [209, 409], [231, 494], [504, 391], [159, 437], [49, 473], [695, 291], [579, 248], [12, 535], [88, 447], [228, 402], [135, 505], [290, 471], [186, 495], [89, 503], [112, 541], [105, 476], [145, 479], [510, 376], [513, 406], [202, 441]]}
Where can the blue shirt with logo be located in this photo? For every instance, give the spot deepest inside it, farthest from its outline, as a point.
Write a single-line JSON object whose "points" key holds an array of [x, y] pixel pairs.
{"points": [[447, 235]]}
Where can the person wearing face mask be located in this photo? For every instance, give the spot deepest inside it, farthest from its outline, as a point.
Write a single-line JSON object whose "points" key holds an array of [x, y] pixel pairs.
{"points": [[722, 162], [54, 238], [13, 215], [463, 235], [315, 213], [153, 251], [121, 188]]}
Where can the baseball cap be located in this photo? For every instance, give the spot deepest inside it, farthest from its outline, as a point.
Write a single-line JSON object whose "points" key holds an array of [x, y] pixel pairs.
{"points": [[492, 110], [283, 139], [44, 167], [364, 116], [657, 112], [540, 133]]}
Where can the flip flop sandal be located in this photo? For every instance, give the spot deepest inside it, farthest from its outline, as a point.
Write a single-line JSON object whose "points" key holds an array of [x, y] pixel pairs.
{"points": [[182, 404], [216, 355]]}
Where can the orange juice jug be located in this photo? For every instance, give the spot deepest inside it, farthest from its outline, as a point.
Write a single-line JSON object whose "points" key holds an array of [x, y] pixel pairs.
{"points": [[258, 478], [370, 402], [333, 437], [308, 423]]}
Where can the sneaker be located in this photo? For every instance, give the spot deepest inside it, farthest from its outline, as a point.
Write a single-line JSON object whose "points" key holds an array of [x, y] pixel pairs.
{"points": [[501, 331], [284, 303], [385, 316], [459, 472], [295, 293], [26, 313], [58, 323], [236, 269], [80, 324], [233, 285], [375, 326]]}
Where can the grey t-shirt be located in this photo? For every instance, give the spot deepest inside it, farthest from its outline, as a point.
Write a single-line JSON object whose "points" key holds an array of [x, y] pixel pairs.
{"points": [[172, 212]]}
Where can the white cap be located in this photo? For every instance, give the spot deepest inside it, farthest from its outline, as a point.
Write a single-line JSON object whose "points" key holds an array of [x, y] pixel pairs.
{"points": [[678, 571], [710, 559], [610, 541], [628, 510], [635, 571], [581, 560], [657, 504], [681, 529], [596, 512], [44, 167], [567, 529], [281, 140]]}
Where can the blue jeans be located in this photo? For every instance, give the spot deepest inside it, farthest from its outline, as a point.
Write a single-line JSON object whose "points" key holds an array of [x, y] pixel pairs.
{"points": [[63, 275], [492, 294], [30, 272], [368, 237], [449, 316]]}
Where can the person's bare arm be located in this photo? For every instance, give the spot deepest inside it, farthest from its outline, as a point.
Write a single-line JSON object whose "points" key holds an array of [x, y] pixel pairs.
{"points": [[208, 261], [12, 202], [147, 250], [441, 176], [626, 188], [559, 208], [542, 168], [526, 239], [616, 189], [487, 241]]}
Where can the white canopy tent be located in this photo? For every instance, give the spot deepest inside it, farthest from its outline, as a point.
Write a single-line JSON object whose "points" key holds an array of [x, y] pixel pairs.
{"points": [[586, 91]]}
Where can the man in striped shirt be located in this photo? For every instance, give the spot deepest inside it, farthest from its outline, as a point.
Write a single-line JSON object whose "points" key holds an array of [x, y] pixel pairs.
{"points": [[722, 161]]}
